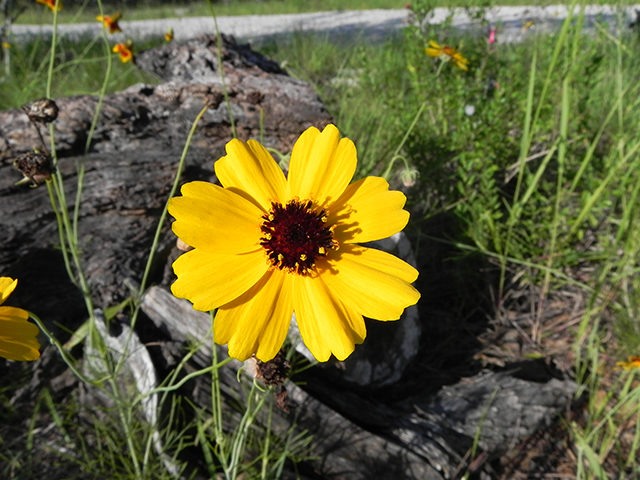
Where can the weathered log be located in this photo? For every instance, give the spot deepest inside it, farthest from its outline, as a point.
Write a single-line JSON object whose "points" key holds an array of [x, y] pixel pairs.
{"points": [[132, 159], [344, 450], [130, 164], [428, 436]]}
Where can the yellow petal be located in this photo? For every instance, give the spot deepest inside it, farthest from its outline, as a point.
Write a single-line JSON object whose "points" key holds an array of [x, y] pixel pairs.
{"points": [[18, 336], [257, 321], [321, 165], [433, 44], [17, 351], [248, 168], [210, 280], [461, 65], [379, 260], [432, 52], [14, 314], [326, 325], [214, 219], [7, 286], [364, 279], [368, 211]]}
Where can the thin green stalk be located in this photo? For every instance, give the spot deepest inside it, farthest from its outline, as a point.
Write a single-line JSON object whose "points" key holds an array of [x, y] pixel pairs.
{"points": [[619, 90], [632, 398], [516, 261], [81, 168], [529, 132], [46, 395], [267, 444], [32, 426], [125, 421], [206, 452], [104, 86], [396, 155], [68, 243], [54, 41], [72, 243], [216, 397], [189, 377], [635, 446], [68, 359], [592, 147], [524, 149], [240, 439], [478, 432], [562, 39], [65, 228], [163, 215], [599, 192], [562, 152], [225, 91], [63, 245]]}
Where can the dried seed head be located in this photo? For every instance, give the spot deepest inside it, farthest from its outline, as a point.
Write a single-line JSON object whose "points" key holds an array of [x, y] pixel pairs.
{"points": [[213, 100], [255, 97], [44, 110], [273, 372], [36, 167]]}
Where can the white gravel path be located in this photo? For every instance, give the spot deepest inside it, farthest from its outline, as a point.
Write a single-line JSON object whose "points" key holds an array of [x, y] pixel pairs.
{"points": [[373, 23]]}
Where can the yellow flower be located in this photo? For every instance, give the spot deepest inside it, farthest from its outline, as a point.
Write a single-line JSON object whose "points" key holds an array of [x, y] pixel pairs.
{"points": [[528, 25], [125, 50], [168, 36], [6, 45], [632, 362], [17, 335], [51, 4], [448, 54], [110, 22], [266, 246]]}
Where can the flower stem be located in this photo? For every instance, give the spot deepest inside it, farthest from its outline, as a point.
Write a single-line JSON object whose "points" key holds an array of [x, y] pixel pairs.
{"points": [[66, 356], [163, 215]]}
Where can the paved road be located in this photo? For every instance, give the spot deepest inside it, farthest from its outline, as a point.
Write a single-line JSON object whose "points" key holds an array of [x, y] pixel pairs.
{"points": [[372, 23]]}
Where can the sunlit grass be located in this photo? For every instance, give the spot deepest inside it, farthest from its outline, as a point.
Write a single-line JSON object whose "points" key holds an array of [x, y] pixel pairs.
{"points": [[79, 70]]}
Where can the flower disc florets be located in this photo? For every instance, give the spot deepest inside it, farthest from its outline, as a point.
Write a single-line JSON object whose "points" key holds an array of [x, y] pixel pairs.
{"points": [[296, 235]]}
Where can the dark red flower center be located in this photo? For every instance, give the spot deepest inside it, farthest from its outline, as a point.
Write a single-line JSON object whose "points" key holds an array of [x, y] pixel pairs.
{"points": [[296, 235]]}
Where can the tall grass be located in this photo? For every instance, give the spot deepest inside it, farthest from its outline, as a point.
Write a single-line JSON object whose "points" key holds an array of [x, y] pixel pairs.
{"points": [[79, 70], [535, 151]]}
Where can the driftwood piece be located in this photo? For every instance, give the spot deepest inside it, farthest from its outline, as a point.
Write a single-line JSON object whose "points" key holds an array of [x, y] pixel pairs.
{"points": [[423, 437], [137, 374], [344, 450]]}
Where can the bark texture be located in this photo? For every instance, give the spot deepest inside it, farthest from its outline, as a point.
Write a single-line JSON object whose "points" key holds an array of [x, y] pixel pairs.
{"points": [[130, 164]]}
